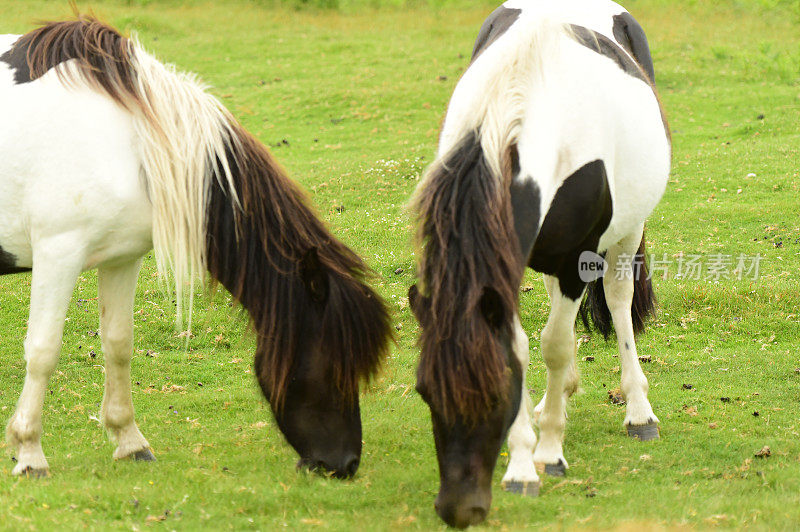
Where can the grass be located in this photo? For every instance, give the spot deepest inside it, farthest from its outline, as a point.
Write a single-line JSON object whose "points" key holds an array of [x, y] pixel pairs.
{"points": [[350, 102]]}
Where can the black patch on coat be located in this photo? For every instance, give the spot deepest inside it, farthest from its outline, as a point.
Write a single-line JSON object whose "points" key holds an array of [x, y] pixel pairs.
{"points": [[493, 27], [526, 207], [17, 59], [631, 36], [8, 263], [601, 44], [579, 214]]}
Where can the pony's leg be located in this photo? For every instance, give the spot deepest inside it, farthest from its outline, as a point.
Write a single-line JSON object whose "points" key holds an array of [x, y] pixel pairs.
{"points": [[56, 266], [558, 350], [618, 285], [116, 289], [571, 379], [521, 476]]}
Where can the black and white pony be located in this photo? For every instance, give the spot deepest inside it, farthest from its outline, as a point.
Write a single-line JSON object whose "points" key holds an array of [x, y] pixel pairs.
{"points": [[106, 153], [554, 145]]}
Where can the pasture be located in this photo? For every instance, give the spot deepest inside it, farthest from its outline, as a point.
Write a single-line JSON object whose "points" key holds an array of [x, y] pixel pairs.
{"points": [[349, 100]]}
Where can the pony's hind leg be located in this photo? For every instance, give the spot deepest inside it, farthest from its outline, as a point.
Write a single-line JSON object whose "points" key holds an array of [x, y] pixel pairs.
{"points": [[116, 289], [521, 476], [571, 384], [571, 379], [558, 350], [618, 285], [56, 266]]}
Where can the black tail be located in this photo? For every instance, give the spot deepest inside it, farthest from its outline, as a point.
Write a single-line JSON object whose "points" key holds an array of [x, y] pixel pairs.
{"points": [[642, 307]]}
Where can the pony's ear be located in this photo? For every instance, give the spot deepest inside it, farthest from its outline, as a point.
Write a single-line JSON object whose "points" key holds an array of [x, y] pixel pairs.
{"points": [[420, 305], [314, 276], [492, 309]]}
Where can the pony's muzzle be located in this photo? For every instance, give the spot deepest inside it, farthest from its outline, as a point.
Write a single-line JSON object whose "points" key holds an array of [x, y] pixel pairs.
{"points": [[462, 512], [344, 468], [348, 467]]}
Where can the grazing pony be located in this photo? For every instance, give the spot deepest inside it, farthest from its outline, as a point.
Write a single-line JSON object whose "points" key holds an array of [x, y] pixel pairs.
{"points": [[106, 153], [554, 148]]}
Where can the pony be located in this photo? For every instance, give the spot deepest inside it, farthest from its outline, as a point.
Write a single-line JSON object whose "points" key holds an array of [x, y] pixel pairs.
{"points": [[553, 152], [106, 153]]}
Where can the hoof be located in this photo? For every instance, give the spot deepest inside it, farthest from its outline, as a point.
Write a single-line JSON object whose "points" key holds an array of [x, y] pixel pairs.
{"points": [[644, 432], [30, 472], [527, 488], [556, 470], [144, 455]]}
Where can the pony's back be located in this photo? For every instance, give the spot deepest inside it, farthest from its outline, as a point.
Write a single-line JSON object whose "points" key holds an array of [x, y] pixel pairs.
{"points": [[593, 106]]}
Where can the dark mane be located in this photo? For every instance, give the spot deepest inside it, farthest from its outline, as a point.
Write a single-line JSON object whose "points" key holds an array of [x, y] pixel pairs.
{"points": [[466, 243], [104, 57], [256, 253]]}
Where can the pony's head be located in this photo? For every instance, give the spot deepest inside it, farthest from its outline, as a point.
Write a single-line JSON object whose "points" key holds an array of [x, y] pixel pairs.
{"points": [[340, 329], [470, 418], [321, 330], [468, 374]]}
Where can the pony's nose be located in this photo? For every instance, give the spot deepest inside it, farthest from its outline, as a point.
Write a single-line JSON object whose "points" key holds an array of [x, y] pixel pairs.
{"points": [[469, 511], [347, 467], [344, 469], [351, 465], [462, 516], [468, 516]]}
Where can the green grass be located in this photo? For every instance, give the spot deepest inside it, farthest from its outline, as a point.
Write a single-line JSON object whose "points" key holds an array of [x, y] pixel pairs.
{"points": [[358, 94]]}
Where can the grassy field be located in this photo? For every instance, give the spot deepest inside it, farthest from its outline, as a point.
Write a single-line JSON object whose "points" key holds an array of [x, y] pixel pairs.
{"points": [[350, 101]]}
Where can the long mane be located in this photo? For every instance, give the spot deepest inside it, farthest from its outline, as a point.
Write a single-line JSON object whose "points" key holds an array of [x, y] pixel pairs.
{"points": [[221, 204], [466, 235], [255, 252], [104, 57], [466, 244]]}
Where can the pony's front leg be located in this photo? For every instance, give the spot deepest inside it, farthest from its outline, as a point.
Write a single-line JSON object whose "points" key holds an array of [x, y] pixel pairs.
{"points": [[521, 476], [116, 290], [56, 266], [618, 285], [558, 350]]}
